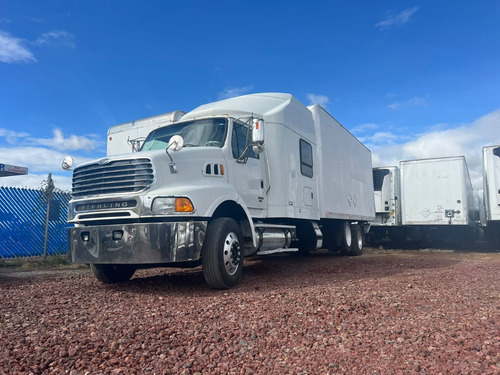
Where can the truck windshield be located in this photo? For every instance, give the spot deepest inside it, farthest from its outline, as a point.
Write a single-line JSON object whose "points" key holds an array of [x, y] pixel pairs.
{"points": [[205, 132]]}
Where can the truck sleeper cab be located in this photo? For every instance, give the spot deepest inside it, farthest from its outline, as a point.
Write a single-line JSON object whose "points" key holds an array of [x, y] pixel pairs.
{"points": [[209, 190]]}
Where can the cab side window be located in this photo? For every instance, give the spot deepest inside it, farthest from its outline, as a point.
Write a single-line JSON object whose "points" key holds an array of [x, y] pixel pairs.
{"points": [[306, 159], [241, 138]]}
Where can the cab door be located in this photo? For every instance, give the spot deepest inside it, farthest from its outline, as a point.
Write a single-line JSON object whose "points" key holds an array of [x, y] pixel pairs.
{"points": [[248, 171]]}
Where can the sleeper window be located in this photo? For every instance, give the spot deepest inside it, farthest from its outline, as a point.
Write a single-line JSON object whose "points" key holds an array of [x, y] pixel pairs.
{"points": [[306, 158]]}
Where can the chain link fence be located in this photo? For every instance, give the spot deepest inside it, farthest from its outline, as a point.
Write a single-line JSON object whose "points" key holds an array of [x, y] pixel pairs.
{"points": [[33, 221]]}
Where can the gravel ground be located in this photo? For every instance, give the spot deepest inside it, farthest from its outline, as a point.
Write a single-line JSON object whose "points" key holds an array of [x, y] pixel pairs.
{"points": [[386, 312]]}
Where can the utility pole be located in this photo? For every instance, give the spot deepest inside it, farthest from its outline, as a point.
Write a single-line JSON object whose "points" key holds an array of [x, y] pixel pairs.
{"points": [[48, 192]]}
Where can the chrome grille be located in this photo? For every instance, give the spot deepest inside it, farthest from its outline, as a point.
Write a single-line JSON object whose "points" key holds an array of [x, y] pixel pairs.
{"points": [[118, 176]]}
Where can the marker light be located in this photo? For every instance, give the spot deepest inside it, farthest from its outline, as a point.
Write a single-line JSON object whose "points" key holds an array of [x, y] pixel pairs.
{"points": [[183, 205]]}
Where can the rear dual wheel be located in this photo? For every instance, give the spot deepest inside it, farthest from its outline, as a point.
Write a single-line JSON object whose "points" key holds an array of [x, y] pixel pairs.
{"points": [[358, 240], [345, 238], [352, 241]]}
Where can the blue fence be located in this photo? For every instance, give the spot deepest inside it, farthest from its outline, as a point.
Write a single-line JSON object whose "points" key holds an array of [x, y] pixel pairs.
{"points": [[23, 215]]}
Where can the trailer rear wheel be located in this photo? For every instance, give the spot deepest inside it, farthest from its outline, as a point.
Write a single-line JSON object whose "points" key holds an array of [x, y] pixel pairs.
{"points": [[358, 241], [346, 238], [221, 255], [112, 273]]}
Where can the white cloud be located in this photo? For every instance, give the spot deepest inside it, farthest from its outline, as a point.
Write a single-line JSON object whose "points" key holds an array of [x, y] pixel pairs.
{"points": [[43, 156], [459, 140], [13, 51], [234, 91], [399, 19], [416, 101], [37, 159], [40, 161], [58, 141], [364, 127], [12, 136], [73, 142], [57, 38], [382, 138], [322, 100]]}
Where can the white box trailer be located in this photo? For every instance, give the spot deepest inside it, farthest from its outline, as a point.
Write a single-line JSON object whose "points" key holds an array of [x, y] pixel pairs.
{"points": [[434, 197], [344, 183], [491, 194], [251, 175], [437, 192], [128, 137]]}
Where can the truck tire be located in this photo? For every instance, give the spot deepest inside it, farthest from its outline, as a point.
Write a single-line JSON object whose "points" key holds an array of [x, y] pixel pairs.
{"points": [[358, 240], [345, 238], [112, 273], [222, 254]]}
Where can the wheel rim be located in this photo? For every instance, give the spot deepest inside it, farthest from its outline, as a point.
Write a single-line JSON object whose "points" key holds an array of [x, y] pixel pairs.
{"points": [[359, 238], [348, 235], [231, 253]]}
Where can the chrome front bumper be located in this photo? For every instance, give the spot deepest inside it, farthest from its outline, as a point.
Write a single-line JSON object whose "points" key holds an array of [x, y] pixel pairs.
{"points": [[153, 243]]}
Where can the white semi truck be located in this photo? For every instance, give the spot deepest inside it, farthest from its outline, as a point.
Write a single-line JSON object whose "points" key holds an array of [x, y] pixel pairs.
{"points": [[425, 199], [251, 175], [490, 218]]}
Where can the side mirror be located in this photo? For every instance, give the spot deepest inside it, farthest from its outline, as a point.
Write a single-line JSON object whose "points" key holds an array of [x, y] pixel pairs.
{"points": [[67, 163], [258, 135], [176, 143]]}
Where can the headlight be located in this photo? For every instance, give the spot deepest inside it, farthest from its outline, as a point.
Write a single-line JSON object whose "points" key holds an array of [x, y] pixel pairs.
{"points": [[170, 205]]}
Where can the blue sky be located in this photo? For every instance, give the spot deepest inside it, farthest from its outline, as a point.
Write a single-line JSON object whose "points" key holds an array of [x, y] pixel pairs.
{"points": [[410, 79]]}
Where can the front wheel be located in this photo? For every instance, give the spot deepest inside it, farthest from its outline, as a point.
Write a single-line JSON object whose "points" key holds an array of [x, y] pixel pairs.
{"points": [[112, 273], [222, 255]]}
